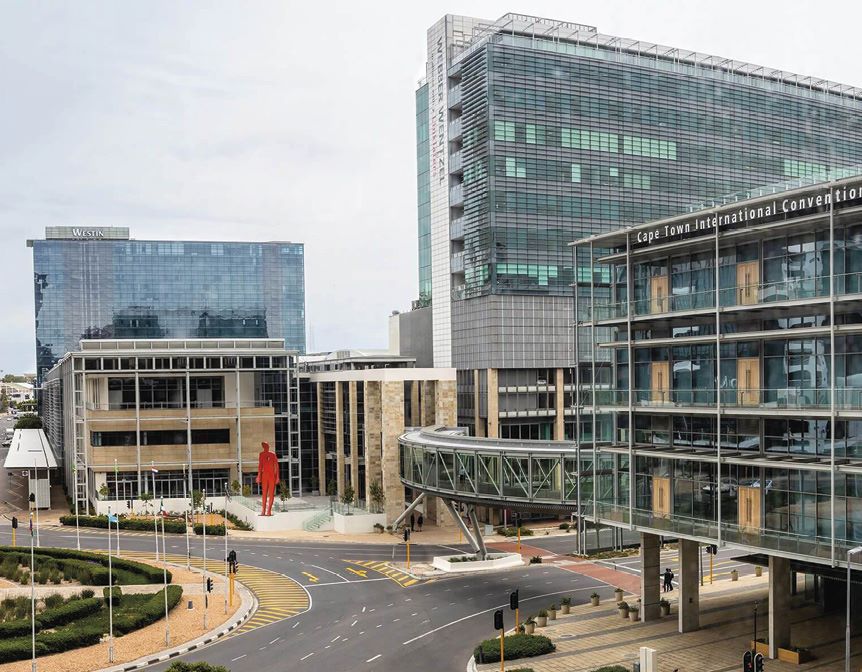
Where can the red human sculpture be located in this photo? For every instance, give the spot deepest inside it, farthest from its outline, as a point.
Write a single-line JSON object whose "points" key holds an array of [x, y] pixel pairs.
{"points": [[267, 477]]}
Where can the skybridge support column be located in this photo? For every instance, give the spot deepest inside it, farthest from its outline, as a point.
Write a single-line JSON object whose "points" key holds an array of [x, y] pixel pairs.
{"points": [[482, 552], [779, 604], [650, 575], [416, 502], [689, 585], [460, 523]]}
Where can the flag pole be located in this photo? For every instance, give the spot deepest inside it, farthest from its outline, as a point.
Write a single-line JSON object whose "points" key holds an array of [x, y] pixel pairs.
{"points": [[165, 574], [117, 489], [32, 596], [153, 471], [77, 526], [110, 595], [186, 517], [206, 597], [224, 523]]}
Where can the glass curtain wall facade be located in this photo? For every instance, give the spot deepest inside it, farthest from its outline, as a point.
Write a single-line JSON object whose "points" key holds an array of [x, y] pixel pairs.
{"points": [[735, 342], [109, 288], [423, 187], [556, 132]]}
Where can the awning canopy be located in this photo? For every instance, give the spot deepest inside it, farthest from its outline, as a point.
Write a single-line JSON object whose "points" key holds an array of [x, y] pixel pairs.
{"points": [[30, 449]]}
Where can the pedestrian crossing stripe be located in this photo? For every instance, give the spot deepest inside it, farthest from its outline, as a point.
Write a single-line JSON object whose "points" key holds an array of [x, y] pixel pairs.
{"points": [[278, 596], [402, 579]]}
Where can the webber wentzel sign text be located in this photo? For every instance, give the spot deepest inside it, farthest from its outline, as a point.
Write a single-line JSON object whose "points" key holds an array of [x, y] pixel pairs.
{"points": [[788, 207]]}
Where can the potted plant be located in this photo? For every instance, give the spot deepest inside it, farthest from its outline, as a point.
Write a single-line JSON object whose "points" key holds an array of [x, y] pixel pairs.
{"points": [[734, 575], [594, 599], [618, 594], [623, 609], [378, 527], [664, 605], [530, 626], [552, 612], [542, 618], [103, 491], [634, 612], [566, 604]]}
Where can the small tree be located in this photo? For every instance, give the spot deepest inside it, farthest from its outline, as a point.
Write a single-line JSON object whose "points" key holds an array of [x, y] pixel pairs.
{"points": [[29, 422], [347, 497], [103, 491], [235, 488], [283, 493], [197, 499], [378, 497], [4, 403], [146, 498], [246, 490], [332, 489]]}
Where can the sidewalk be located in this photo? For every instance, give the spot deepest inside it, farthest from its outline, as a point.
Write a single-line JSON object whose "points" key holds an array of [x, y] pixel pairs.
{"points": [[592, 637]]}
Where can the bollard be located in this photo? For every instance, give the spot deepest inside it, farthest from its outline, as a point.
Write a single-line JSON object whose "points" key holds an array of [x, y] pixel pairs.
{"points": [[734, 575]]}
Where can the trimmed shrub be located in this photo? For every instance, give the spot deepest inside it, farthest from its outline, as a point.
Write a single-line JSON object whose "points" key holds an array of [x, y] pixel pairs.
{"points": [[17, 628], [87, 593], [180, 666], [87, 568], [513, 531], [536, 560], [71, 611], [19, 649], [149, 612], [70, 638], [612, 668], [516, 646], [215, 530], [53, 601], [142, 525], [115, 593], [564, 526]]}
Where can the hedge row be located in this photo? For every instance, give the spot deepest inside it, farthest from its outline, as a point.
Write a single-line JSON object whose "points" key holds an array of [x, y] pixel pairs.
{"points": [[171, 525], [180, 666], [51, 618], [215, 530], [149, 612], [91, 568], [516, 646]]}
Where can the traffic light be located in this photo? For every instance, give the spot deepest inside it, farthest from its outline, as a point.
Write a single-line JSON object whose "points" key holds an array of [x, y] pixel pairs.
{"points": [[406, 534], [209, 585], [14, 522], [747, 662], [233, 565], [498, 619], [758, 662], [513, 600], [32, 497], [712, 549]]}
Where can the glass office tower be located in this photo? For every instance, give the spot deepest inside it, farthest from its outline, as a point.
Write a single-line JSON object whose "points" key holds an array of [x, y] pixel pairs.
{"points": [[98, 283], [542, 132]]}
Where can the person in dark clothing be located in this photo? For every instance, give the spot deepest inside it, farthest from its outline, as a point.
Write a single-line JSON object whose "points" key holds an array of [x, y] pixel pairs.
{"points": [[420, 521], [412, 523], [668, 580]]}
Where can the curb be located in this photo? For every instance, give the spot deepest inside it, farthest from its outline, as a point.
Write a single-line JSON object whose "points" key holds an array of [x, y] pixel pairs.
{"points": [[199, 643]]}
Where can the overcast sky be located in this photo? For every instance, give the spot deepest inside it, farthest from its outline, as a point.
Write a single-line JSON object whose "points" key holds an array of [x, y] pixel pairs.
{"points": [[284, 121]]}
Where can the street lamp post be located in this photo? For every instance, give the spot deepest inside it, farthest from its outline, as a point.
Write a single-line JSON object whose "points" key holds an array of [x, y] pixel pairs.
{"points": [[850, 554]]}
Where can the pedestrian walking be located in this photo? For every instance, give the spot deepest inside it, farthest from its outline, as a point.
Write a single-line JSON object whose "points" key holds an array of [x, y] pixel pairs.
{"points": [[420, 521], [668, 580], [412, 523]]}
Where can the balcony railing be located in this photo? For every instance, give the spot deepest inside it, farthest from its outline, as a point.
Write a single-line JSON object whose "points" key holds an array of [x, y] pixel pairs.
{"points": [[455, 129], [456, 195], [458, 262], [454, 96], [455, 162], [162, 405], [765, 398], [456, 229]]}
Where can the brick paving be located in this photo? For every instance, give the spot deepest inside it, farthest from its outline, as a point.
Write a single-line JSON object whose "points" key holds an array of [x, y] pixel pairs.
{"points": [[592, 637]]}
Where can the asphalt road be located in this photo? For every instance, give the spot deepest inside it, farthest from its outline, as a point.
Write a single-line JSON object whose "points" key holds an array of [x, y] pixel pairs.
{"points": [[363, 623]]}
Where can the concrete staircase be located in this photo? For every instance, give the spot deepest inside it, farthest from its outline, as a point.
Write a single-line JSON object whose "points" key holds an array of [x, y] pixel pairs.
{"points": [[317, 521]]}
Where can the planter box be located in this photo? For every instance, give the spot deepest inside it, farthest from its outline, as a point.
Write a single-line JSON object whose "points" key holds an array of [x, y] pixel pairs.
{"points": [[795, 657], [494, 561], [618, 595], [634, 615], [357, 523], [542, 621], [566, 608], [529, 628], [624, 613], [594, 601], [665, 611], [762, 647]]}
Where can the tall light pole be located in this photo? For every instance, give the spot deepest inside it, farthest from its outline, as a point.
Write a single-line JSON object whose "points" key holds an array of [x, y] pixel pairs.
{"points": [[850, 554]]}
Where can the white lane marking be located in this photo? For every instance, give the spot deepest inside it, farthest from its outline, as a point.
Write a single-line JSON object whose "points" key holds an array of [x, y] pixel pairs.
{"points": [[362, 632], [341, 583], [414, 613], [363, 610], [371, 660], [327, 646], [380, 626], [239, 657], [323, 569], [294, 625], [332, 641], [276, 639], [391, 605], [485, 611], [354, 623], [395, 620], [261, 648]]}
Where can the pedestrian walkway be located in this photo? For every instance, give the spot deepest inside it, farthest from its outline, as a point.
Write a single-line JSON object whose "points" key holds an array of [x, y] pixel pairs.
{"points": [[593, 637], [384, 568], [279, 597]]}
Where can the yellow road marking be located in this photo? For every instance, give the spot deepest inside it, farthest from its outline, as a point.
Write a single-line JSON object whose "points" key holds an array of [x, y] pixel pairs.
{"points": [[311, 577], [402, 579], [359, 572]]}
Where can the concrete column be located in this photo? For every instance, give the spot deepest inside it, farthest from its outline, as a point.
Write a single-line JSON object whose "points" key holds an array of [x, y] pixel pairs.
{"points": [[779, 604], [689, 586], [478, 421], [650, 576], [392, 426], [445, 403], [339, 437], [559, 397], [493, 405], [415, 411], [373, 454], [321, 443], [354, 438], [426, 415]]}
